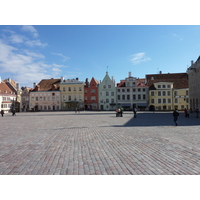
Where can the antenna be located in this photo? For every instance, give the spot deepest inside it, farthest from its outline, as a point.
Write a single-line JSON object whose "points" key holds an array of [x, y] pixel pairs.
{"points": [[107, 68]]}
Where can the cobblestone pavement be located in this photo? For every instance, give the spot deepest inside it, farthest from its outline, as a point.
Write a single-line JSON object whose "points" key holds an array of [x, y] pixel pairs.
{"points": [[98, 143]]}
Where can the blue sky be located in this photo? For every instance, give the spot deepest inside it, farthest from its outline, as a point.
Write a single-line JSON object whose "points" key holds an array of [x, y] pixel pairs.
{"points": [[31, 53]]}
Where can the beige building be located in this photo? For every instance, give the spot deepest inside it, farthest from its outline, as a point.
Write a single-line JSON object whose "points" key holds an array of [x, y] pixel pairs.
{"points": [[72, 94], [194, 84], [46, 95], [168, 91]]}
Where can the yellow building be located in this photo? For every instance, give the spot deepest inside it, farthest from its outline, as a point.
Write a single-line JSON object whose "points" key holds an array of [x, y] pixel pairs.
{"points": [[168, 91], [72, 94]]}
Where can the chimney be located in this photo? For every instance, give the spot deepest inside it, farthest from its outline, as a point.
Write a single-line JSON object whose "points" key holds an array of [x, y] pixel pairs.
{"points": [[160, 72], [192, 62], [129, 74], [77, 79], [17, 86], [9, 80], [62, 79], [34, 84]]}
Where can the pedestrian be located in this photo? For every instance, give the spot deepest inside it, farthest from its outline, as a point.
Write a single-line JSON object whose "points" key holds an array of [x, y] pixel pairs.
{"points": [[135, 112], [186, 111], [121, 112], [197, 112], [176, 114], [2, 113], [13, 112]]}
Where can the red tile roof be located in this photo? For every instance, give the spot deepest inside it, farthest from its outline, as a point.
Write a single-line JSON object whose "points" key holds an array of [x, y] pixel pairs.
{"points": [[48, 85], [5, 89], [179, 80]]}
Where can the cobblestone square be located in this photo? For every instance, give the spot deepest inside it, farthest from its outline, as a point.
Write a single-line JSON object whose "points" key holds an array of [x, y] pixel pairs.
{"points": [[99, 143]]}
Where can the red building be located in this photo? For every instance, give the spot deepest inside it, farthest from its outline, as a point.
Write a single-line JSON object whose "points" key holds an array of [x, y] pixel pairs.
{"points": [[91, 94]]}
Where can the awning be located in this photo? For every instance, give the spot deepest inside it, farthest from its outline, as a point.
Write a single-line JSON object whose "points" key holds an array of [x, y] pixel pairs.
{"points": [[141, 104], [126, 104]]}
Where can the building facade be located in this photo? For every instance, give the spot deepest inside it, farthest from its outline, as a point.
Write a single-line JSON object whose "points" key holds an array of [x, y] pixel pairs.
{"points": [[25, 99], [91, 94], [194, 84], [7, 97], [132, 93], [46, 95], [72, 94], [168, 91], [107, 94]]}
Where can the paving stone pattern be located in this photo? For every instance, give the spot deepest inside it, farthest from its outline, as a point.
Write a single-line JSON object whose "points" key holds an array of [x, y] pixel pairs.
{"points": [[99, 143]]}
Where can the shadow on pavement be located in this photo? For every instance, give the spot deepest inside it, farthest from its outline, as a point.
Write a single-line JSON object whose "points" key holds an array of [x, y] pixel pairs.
{"points": [[161, 119]]}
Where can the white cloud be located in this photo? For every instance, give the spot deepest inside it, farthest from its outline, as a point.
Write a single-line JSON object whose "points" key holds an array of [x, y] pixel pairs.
{"points": [[32, 43], [23, 65], [65, 58], [176, 36], [138, 58], [30, 29]]}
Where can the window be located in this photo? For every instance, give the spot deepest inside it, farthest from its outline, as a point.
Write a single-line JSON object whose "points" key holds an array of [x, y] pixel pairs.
{"points": [[64, 97], [80, 88], [134, 97], [118, 97], [112, 93], [64, 89], [159, 100], [168, 86], [44, 98], [109, 86], [164, 100], [143, 89], [163, 86], [128, 90], [152, 101], [168, 93], [112, 100], [93, 98], [169, 100], [152, 93], [144, 96], [175, 100], [139, 89], [123, 97], [133, 90], [74, 88], [175, 93], [123, 90], [107, 100], [159, 86], [70, 98], [69, 89], [164, 93], [159, 93], [104, 86], [128, 97], [118, 90], [53, 98], [85, 91], [93, 91], [139, 96], [36, 98], [40, 98], [107, 93]]}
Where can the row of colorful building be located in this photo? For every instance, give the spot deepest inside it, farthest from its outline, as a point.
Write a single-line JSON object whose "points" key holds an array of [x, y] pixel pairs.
{"points": [[154, 92]]}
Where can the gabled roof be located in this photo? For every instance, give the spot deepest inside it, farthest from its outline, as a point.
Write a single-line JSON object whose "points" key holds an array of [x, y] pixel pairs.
{"points": [[48, 85], [5, 89], [179, 80]]}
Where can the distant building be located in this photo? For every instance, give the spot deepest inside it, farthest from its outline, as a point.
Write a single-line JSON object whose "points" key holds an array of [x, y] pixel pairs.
{"points": [[132, 93], [107, 94], [168, 91], [14, 86], [91, 94], [194, 84], [45, 95], [72, 94], [7, 97], [25, 98]]}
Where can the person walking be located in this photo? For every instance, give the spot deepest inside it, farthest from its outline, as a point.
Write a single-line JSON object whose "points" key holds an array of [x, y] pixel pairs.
{"points": [[135, 112], [13, 112], [2, 113], [197, 112], [176, 114]]}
